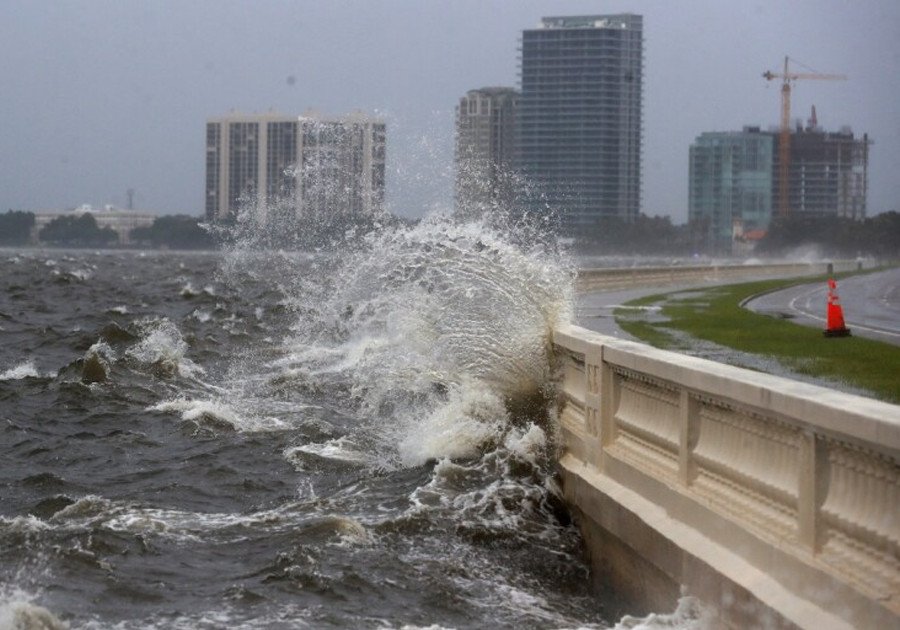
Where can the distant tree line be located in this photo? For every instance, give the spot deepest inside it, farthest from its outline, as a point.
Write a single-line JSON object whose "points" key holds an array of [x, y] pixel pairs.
{"points": [[15, 227], [174, 232], [77, 231], [644, 235], [877, 236]]}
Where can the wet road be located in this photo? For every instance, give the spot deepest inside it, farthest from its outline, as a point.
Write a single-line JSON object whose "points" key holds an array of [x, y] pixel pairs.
{"points": [[871, 304]]}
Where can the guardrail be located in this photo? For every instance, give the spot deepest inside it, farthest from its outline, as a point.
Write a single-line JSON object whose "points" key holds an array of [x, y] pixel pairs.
{"points": [[620, 278], [776, 501]]}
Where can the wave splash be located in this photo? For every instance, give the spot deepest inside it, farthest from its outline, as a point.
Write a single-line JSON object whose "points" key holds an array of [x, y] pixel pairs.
{"points": [[433, 332]]}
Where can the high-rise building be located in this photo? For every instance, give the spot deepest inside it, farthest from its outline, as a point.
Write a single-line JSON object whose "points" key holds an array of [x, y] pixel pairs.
{"points": [[485, 142], [828, 173], [315, 164], [579, 116], [734, 179], [730, 184]]}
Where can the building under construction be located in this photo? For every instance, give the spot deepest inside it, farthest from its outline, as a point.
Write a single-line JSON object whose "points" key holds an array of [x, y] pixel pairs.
{"points": [[827, 172], [735, 180]]}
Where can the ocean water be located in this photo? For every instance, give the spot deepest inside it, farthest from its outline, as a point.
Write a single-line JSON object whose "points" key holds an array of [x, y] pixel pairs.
{"points": [[352, 438]]}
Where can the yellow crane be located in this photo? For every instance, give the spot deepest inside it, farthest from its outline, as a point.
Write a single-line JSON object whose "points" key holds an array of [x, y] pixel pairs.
{"points": [[784, 142]]}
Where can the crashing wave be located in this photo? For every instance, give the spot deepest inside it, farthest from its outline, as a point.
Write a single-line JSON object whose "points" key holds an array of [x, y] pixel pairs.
{"points": [[26, 369], [163, 348], [435, 330]]}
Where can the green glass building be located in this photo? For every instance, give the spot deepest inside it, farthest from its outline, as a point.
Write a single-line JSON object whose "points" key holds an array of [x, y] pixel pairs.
{"points": [[730, 188]]}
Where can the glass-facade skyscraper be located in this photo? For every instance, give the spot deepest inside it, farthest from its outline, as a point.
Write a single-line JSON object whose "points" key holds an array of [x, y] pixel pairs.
{"points": [[730, 184], [579, 117]]}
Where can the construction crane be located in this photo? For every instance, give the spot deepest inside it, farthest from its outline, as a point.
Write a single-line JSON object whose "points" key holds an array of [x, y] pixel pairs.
{"points": [[784, 142]]}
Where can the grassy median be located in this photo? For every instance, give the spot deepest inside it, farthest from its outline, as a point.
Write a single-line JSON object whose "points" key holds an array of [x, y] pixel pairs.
{"points": [[714, 314]]}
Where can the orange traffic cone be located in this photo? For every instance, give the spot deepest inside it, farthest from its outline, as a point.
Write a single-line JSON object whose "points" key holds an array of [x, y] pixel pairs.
{"points": [[834, 326]]}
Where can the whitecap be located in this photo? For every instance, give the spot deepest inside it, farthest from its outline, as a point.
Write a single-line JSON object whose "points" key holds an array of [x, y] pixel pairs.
{"points": [[201, 316], [162, 346], [219, 414], [23, 370], [196, 410], [22, 525], [340, 449], [81, 274], [19, 612], [527, 444], [471, 416], [689, 614]]}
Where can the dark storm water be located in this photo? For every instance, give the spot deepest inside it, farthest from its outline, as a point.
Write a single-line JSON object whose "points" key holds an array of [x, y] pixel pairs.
{"points": [[172, 458]]}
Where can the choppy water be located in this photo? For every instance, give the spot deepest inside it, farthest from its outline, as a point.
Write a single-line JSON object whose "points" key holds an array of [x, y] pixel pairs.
{"points": [[354, 439]]}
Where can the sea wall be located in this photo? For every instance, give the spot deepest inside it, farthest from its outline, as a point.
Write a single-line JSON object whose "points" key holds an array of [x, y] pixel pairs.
{"points": [[775, 501], [634, 277]]}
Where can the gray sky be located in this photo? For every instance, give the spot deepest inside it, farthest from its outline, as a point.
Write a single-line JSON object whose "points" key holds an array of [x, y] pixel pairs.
{"points": [[100, 96]]}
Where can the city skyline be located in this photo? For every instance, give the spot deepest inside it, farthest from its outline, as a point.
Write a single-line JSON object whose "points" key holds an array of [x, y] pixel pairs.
{"points": [[102, 97], [579, 119]]}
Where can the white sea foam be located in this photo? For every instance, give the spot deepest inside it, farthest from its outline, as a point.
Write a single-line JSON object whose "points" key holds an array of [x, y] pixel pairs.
{"points": [[690, 614], [340, 449], [22, 524], [218, 413], [194, 410], [163, 346], [201, 315], [472, 415], [225, 615], [433, 328], [81, 274], [121, 309], [18, 611], [92, 512], [528, 444], [26, 369]]}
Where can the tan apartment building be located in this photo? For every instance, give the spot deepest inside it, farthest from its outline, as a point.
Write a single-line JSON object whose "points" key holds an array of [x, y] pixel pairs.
{"points": [[312, 162]]}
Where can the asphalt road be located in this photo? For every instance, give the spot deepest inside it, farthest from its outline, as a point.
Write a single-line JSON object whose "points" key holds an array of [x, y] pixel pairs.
{"points": [[871, 304]]}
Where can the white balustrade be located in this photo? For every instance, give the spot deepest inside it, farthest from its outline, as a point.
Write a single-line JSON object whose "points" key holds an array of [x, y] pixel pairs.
{"points": [[801, 482]]}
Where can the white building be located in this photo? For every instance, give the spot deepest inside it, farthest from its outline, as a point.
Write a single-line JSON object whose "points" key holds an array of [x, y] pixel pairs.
{"points": [[121, 221]]}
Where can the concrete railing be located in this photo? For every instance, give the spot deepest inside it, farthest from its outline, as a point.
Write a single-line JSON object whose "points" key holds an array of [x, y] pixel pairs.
{"points": [[633, 277], [776, 501]]}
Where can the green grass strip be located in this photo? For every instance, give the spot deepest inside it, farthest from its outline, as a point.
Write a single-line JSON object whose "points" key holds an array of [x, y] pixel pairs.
{"points": [[715, 314]]}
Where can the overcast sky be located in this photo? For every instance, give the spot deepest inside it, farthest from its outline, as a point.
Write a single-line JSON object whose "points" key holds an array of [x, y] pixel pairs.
{"points": [[100, 96]]}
